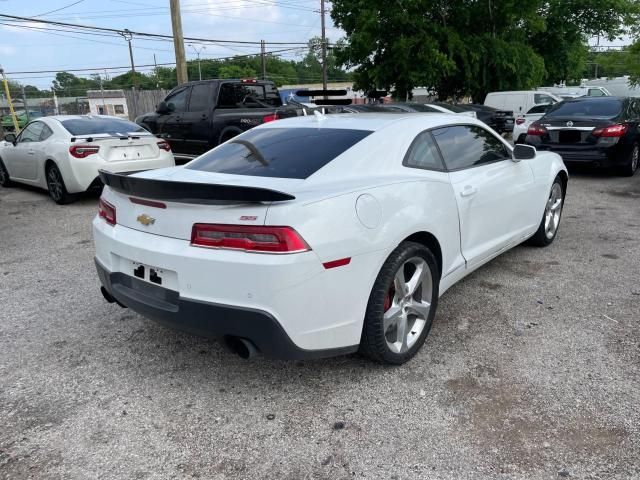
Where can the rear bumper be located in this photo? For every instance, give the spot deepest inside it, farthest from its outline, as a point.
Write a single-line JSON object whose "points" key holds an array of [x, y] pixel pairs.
{"points": [[168, 308], [590, 155]]}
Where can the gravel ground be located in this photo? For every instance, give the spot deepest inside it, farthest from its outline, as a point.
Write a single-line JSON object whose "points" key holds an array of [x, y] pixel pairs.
{"points": [[531, 370]]}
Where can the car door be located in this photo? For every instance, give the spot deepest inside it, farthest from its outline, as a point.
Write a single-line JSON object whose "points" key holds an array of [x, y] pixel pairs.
{"points": [[197, 119], [492, 191], [22, 159], [171, 125]]}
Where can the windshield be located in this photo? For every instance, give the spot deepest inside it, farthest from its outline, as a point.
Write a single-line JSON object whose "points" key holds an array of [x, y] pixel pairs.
{"points": [[100, 125], [608, 108], [279, 152]]}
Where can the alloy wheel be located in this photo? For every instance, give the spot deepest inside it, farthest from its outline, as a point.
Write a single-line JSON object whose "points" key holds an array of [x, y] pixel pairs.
{"points": [[407, 305], [634, 158], [552, 211], [54, 181]]}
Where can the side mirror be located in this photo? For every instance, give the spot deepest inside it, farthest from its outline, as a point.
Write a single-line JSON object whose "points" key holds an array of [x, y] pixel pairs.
{"points": [[164, 107], [10, 137], [523, 152]]}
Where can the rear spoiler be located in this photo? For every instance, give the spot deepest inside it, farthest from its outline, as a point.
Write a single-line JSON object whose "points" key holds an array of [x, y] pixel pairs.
{"points": [[188, 192]]}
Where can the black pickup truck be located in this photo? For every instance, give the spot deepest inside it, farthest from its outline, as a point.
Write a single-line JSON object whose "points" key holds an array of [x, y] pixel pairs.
{"points": [[197, 116]]}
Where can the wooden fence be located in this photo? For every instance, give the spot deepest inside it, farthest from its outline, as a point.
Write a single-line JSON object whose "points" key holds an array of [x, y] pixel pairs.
{"points": [[146, 101]]}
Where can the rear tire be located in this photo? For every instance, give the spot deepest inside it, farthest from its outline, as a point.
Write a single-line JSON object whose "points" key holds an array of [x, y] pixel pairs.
{"points": [[402, 305], [57, 188], [551, 217], [630, 168], [5, 180]]}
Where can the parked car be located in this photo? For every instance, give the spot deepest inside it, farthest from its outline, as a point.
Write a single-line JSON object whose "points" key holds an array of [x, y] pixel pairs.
{"points": [[596, 131], [323, 235], [519, 102], [21, 115], [577, 91], [500, 120], [64, 153], [197, 116], [422, 107], [522, 123]]}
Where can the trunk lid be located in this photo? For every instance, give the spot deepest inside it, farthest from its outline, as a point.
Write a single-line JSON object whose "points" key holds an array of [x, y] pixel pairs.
{"points": [[572, 130], [146, 213], [122, 149]]}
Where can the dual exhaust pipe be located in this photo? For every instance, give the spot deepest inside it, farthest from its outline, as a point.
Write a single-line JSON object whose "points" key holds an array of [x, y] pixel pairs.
{"points": [[242, 347]]}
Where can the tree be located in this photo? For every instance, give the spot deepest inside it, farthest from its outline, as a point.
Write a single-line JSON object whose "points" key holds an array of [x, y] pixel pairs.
{"points": [[460, 47]]}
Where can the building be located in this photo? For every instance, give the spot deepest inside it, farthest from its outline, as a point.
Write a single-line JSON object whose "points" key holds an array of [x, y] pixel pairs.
{"points": [[108, 102]]}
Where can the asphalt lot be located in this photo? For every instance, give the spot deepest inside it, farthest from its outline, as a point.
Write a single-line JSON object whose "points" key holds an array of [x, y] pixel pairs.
{"points": [[531, 371]]}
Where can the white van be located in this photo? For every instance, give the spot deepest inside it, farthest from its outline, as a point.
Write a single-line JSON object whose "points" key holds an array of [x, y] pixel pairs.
{"points": [[519, 102]]}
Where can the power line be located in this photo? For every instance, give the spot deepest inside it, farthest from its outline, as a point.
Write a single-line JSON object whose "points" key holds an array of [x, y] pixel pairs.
{"points": [[140, 34], [58, 9]]}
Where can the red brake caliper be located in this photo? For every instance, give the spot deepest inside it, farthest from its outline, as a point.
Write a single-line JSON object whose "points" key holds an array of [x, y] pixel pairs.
{"points": [[388, 299]]}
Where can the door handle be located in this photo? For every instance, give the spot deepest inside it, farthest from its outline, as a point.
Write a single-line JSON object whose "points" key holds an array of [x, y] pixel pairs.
{"points": [[468, 190], [31, 151]]}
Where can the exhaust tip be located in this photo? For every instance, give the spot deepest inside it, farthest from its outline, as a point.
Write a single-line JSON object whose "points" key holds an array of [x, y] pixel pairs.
{"points": [[241, 346], [110, 298]]}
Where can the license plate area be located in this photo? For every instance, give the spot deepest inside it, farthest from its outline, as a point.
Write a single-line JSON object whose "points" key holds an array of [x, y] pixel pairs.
{"points": [[569, 136], [129, 152], [151, 274]]}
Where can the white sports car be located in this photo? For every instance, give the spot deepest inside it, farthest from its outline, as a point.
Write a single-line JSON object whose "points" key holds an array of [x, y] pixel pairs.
{"points": [[323, 235], [64, 153]]}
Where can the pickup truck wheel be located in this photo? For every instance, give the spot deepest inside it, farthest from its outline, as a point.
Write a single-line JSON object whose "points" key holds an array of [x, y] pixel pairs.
{"points": [[228, 135], [5, 180], [402, 305]]}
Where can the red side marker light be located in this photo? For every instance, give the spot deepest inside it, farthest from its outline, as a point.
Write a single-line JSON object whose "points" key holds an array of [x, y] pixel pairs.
{"points": [[337, 263]]}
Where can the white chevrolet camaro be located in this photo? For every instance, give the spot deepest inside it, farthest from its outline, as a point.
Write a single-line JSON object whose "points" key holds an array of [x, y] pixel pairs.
{"points": [[323, 235], [64, 153]]}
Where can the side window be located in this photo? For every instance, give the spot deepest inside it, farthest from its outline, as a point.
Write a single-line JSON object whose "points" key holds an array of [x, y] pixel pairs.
{"points": [[178, 100], [118, 109], [46, 132], [423, 153], [229, 96], [31, 133], [200, 97], [465, 146], [595, 92], [542, 98]]}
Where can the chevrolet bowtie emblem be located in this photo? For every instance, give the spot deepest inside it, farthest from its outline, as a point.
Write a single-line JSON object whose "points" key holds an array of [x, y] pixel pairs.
{"points": [[146, 220]]}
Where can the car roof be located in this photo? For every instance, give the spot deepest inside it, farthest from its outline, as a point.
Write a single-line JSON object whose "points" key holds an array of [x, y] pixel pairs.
{"points": [[368, 121], [85, 117], [595, 99]]}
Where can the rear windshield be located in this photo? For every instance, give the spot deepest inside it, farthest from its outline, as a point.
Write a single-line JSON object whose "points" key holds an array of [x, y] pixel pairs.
{"points": [[98, 125], [588, 108], [279, 152]]}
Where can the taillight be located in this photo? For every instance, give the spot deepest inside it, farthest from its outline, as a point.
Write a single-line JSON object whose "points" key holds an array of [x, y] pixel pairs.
{"points": [[536, 129], [83, 151], [107, 211], [270, 118], [520, 121], [611, 131], [250, 238], [164, 145]]}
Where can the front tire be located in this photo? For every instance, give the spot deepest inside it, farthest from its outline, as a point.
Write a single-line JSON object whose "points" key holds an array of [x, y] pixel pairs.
{"points": [[5, 180], [631, 165], [402, 305], [548, 228], [57, 188]]}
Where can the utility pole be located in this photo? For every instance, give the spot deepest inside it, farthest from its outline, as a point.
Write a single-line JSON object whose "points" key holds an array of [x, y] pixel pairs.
{"points": [[324, 48], [127, 36], [24, 102], [156, 71], [178, 41], [263, 58], [202, 47], [6, 90]]}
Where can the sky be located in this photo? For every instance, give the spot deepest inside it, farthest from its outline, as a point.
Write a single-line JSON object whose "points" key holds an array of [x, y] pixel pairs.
{"points": [[31, 49]]}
